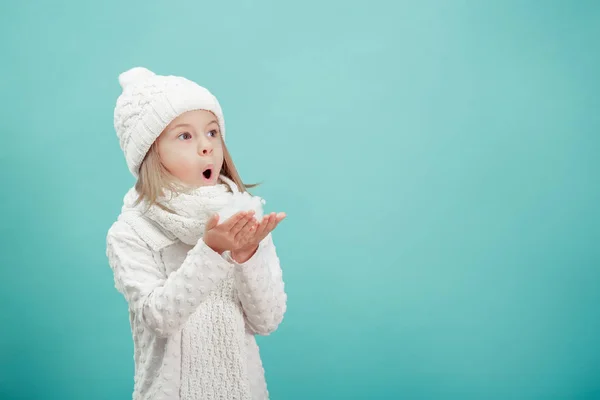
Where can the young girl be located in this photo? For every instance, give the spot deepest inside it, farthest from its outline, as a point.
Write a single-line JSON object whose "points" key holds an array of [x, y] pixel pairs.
{"points": [[190, 252]]}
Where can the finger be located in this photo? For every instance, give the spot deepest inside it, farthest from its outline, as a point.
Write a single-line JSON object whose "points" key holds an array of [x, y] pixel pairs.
{"points": [[278, 218], [250, 233], [241, 223], [265, 228], [212, 222], [272, 222], [263, 225], [227, 225], [245, 229]]}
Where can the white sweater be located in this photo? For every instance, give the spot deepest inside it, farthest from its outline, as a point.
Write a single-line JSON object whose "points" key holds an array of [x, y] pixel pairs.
{"points": [[194, 313]]}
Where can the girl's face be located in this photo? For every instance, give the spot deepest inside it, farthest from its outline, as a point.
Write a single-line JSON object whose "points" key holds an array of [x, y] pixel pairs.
{"points": [[191, 149]]}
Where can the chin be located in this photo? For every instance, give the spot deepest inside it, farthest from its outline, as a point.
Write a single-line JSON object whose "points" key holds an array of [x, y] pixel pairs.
{"points": [[202, 184], [195, 183], [206, 182]]}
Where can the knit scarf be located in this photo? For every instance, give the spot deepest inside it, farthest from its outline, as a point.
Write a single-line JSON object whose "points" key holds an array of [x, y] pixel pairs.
{"points": [[193, 209]]}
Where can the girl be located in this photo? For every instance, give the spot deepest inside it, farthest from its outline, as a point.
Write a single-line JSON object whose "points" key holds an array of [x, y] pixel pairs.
{"points": [[200, 279]]}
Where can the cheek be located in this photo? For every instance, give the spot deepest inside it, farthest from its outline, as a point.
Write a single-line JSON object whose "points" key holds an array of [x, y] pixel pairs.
{"points": [[181, 164], [177, 162], [219, 158]]}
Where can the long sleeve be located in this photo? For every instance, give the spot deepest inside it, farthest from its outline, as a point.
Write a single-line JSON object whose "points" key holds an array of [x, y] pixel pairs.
{"points": [[260, 287], [163, 303]]}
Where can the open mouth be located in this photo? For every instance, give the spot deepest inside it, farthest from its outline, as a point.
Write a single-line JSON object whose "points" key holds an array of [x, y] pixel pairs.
{"points": [[207, 173]]}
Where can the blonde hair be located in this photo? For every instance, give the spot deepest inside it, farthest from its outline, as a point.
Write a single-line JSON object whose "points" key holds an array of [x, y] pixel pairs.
{"points": [[154, 178]]}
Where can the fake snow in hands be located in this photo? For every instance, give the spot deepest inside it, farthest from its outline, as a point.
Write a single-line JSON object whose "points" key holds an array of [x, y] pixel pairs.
{"points": [[242, 202]]}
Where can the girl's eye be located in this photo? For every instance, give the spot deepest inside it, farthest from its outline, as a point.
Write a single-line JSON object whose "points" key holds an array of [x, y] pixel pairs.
{"points": [[185, 136], [214, 133]]}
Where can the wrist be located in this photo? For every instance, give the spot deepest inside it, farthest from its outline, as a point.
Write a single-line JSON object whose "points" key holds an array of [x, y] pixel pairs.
{"points": [[213, 247], [243, 255]]}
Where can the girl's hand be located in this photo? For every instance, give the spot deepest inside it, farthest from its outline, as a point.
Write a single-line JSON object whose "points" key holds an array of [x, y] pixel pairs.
{"points": [[266, 226], [233, 234]]}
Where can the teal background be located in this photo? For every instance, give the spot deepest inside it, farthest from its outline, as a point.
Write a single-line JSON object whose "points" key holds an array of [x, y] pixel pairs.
{"points": [[438, 160]]}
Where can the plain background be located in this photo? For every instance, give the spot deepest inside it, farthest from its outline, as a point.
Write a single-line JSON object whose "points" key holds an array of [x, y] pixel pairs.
{"points": [[438, 160]]}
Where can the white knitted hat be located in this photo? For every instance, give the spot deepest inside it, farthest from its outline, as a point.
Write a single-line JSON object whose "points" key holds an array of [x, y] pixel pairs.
{"points": [[149, 103]]}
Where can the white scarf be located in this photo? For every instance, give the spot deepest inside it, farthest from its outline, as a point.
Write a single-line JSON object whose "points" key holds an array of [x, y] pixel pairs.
{"points": [[192, 210]]}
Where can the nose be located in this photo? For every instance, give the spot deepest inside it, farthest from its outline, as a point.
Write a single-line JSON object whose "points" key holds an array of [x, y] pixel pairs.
{"points": [[205, 148]]}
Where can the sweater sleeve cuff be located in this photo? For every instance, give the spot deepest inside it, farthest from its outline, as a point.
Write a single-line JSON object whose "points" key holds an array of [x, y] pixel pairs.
{"points": [[252, 261], [214, 259]]}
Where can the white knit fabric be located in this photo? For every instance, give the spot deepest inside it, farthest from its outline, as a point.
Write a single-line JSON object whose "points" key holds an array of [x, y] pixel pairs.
{"points": [[195, 207], [193, 312], [148, 103]]}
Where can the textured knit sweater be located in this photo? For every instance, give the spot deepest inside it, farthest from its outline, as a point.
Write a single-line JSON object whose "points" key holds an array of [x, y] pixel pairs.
{"points": [[194, 313]]}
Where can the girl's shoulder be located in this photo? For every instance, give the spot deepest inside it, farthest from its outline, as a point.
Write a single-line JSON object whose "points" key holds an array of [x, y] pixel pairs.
{"points": [[132, 225]]}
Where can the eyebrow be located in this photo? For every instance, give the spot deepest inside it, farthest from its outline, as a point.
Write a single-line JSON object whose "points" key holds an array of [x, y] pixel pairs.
{"points": [[181, 125]]}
